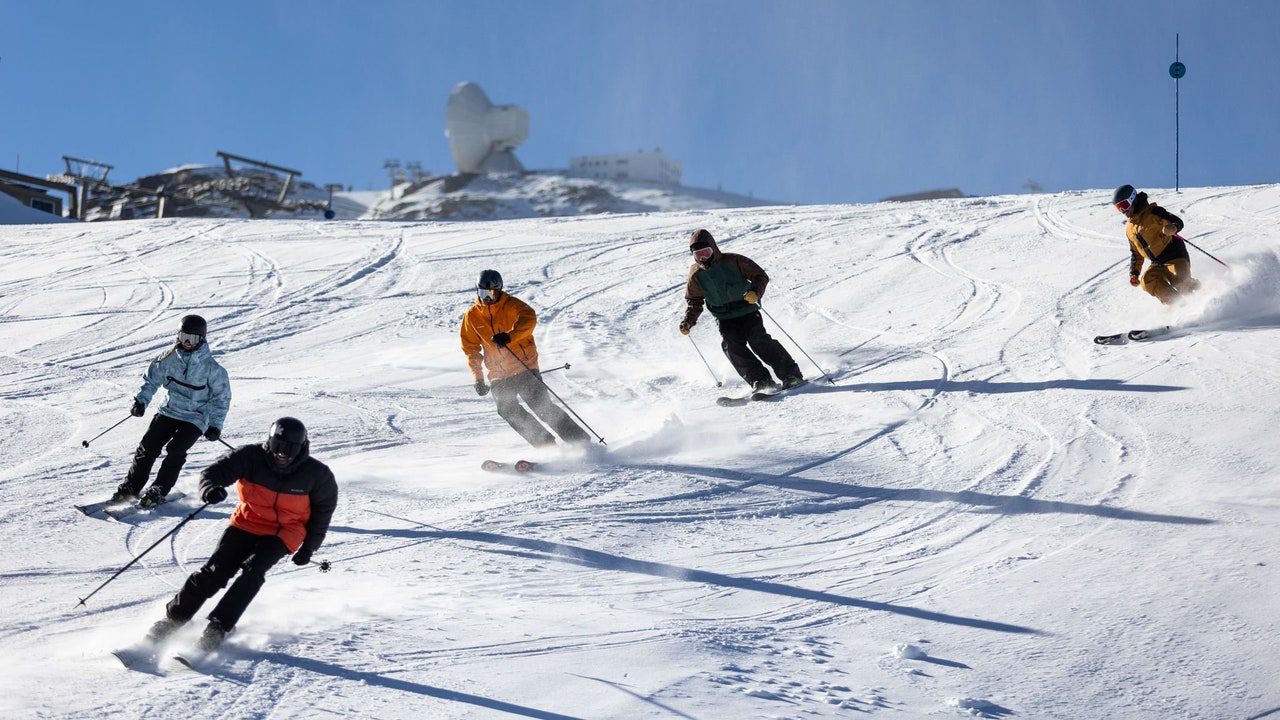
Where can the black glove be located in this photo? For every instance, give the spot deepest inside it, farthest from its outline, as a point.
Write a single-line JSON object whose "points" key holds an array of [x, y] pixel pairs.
{"points": [[212, 433], [138, 409], [481, 388], [501, 339], [214, 495], [303, 556], [685, 327]]}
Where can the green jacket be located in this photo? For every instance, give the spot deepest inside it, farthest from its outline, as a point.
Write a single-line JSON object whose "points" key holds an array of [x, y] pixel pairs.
{"points": [[720, 285]]}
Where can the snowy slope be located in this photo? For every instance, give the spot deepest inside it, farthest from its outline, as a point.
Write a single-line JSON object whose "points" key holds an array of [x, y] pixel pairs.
{"points": [[986, 515]]}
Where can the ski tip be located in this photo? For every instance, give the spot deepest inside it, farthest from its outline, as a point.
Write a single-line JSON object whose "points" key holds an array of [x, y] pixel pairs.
{"points": [[490, 465], [525, 465]]}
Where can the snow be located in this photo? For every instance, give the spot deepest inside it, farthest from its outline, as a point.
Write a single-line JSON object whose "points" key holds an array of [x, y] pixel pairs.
{"points": [[1062, 530]]}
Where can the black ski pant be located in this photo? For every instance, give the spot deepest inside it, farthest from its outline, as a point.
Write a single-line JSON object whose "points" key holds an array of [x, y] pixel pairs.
{"points": [[238, 550], [527, 386], [180, 436], [743, 338]]}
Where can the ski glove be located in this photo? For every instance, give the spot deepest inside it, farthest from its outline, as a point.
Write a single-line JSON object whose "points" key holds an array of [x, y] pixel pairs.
{"points": [[481, 388], [501, 339], [752, 297], [212, 433], [302, 557], [1133, 280], [685, 327], [138, 409], [214, 495]]}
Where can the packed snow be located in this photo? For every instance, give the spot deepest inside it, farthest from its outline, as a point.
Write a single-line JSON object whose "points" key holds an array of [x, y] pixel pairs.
{"points": [[986, 515]]}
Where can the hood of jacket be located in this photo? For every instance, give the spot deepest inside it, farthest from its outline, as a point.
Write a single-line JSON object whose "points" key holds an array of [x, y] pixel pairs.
{"points": [[700, 236]]}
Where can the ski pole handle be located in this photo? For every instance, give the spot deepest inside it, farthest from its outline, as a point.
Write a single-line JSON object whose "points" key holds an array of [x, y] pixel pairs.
{"points": [[85, 443]]}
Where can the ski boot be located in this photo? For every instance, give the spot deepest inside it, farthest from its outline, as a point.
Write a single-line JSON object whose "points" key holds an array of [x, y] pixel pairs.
{"points": [[793, 382], [213, 636], [764, 386], [123, 494], [152, 498], [161, 630]]}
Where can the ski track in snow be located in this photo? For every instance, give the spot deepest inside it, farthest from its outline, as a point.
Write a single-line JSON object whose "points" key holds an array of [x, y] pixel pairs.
{"points": [[1031, 516]]}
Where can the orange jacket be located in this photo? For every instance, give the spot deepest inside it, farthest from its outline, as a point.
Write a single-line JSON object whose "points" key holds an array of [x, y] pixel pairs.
{"points": [[481, 322], [294, 503]]}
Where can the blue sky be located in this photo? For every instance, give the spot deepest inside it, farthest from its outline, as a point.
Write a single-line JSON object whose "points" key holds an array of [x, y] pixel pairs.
{"points": [[806, 102]]}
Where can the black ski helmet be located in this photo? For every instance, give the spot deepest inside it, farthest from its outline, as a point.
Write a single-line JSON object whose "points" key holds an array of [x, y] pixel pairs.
{"points": [[287, 436], [1124, 192], [195, 325], [489, 280]]}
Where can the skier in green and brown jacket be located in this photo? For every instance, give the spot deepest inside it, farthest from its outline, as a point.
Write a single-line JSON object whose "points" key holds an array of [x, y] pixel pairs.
{"points": [[731, 285]]}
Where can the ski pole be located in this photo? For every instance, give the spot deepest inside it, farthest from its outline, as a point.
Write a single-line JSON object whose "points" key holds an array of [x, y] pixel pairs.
{"points": [[553, 392], [562, 367], [1206, 252], [704, 362], [224, 442], [325, 565], [85, 443], [144, 552], [793, 342]]}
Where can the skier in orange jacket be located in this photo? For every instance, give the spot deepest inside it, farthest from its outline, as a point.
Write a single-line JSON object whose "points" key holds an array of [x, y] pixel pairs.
{"points": [[287, 498], [497, 334]]}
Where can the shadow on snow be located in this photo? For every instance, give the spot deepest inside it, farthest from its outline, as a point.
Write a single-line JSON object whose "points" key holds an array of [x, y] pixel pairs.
{"points": [[1012, 504], [595, 559], [372, 678], [987, 387]]}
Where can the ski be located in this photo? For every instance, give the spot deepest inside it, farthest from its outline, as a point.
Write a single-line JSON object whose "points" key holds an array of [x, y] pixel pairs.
{"points": [[519, 466], [1140, 335], [98, 507], [122, 511], [774, 394], [140, 658], [1134, 335], [191, 659]]}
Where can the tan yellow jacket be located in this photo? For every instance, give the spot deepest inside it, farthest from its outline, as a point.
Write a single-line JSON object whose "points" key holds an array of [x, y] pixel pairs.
{"points": [[1145, 231]]}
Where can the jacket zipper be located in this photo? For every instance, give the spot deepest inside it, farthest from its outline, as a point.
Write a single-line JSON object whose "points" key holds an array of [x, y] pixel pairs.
{"points": [[275, 507]]}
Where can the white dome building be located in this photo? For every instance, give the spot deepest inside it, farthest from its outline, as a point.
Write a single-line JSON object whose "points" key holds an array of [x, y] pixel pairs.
{"points": [[483, 136]]}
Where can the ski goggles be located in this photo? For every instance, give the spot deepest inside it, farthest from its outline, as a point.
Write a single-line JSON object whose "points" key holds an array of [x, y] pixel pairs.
{"points": [[280, 446], [702, 253], [1125, 205], [490, 293], [191, 339]]}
